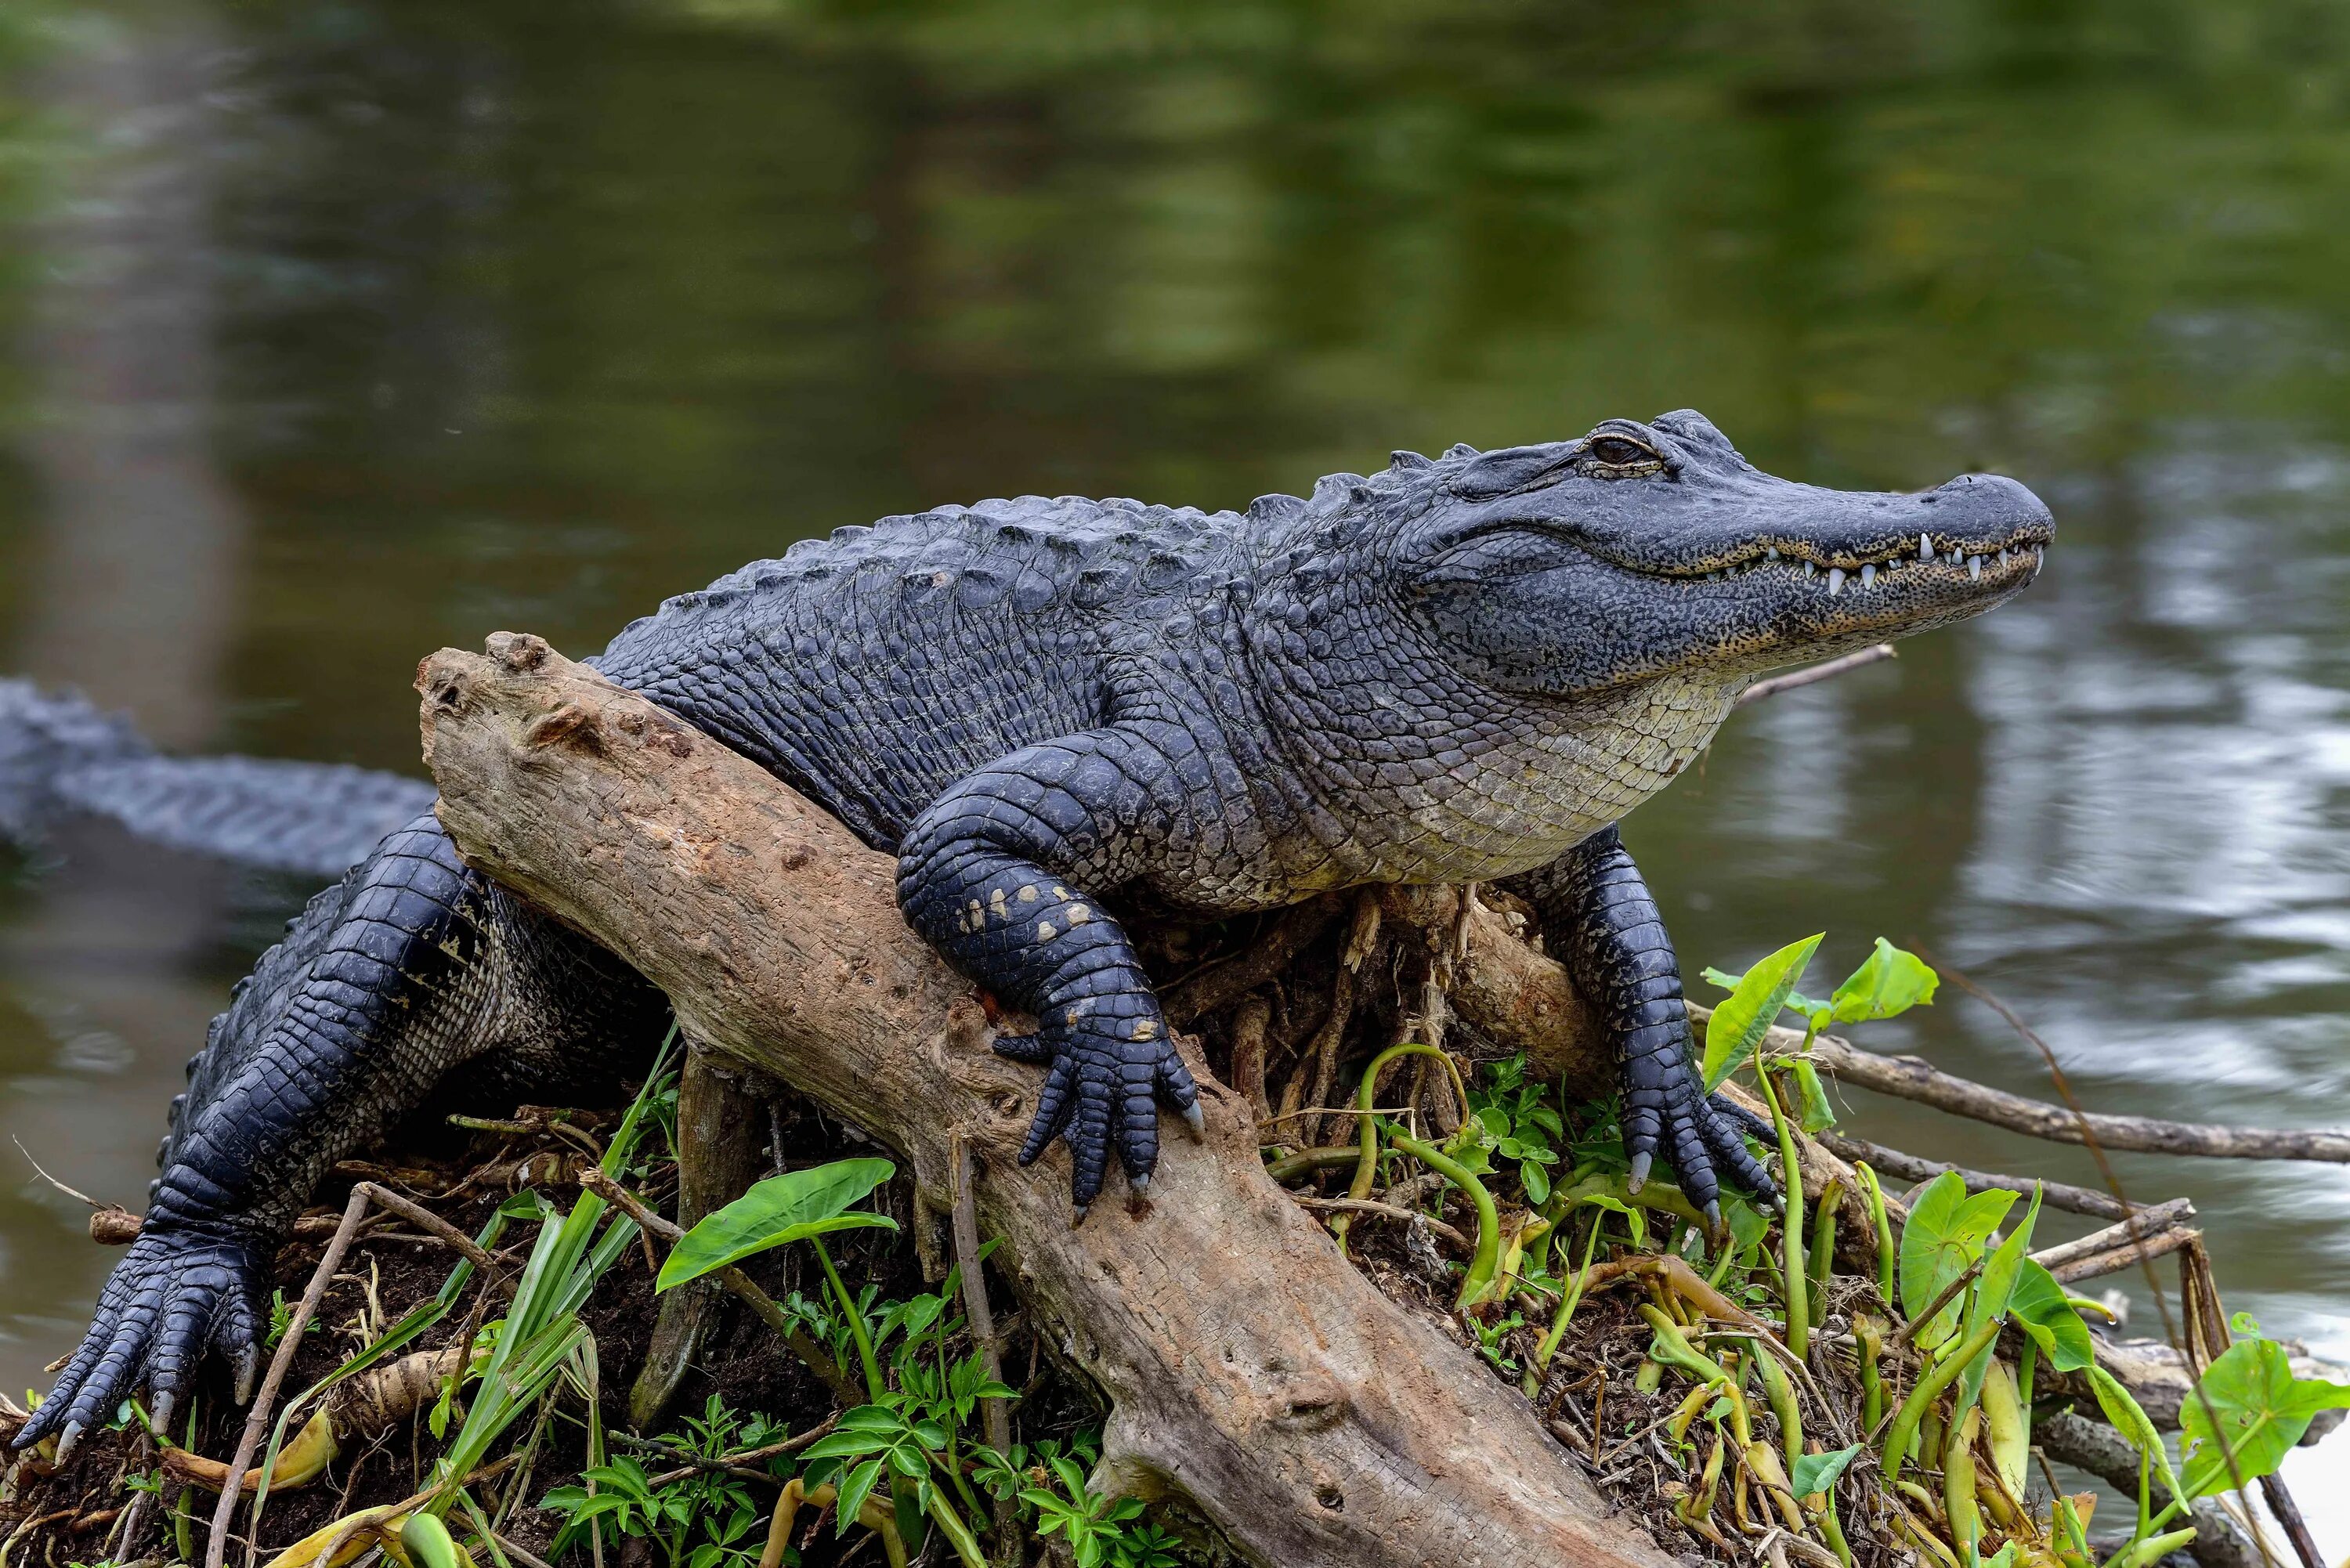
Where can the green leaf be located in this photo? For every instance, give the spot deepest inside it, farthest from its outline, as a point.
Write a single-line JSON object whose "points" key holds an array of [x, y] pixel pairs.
{"points": [[2125, 1415], [2262, 1409], [1944, 1234], [1536, 1182], [1889, 982], [1752, 1007], [853, 1492], [776, 1212], [2040, 1305], [1992, 1296], [1818, 1472]]}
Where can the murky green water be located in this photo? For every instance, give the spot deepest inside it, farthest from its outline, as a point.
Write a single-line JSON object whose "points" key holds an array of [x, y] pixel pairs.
{"points": [[336, 333]]}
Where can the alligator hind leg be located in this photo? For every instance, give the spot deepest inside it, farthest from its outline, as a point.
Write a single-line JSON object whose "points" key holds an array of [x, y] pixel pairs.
{"points": [[410, 965], [1602, 922]]}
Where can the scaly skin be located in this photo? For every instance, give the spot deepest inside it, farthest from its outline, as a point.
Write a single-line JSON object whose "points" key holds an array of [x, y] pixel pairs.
{"points": [[1465, 668]]}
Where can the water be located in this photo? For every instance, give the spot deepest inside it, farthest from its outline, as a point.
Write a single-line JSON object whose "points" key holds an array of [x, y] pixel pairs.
{"points": [[336, 333]]}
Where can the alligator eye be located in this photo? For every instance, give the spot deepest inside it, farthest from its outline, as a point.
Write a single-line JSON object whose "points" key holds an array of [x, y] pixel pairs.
{"points": [[1619, 457]]}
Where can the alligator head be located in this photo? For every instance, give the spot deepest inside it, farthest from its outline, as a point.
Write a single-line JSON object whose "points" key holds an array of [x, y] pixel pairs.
{"points": [[1647, 550]]}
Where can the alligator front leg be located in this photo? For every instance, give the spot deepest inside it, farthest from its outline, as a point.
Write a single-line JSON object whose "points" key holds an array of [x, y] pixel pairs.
{"points": [[996, 875], [1600, 920]]}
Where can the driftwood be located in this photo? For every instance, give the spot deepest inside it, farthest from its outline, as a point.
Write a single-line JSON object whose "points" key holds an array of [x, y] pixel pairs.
{"points": [[1248, 1366]]}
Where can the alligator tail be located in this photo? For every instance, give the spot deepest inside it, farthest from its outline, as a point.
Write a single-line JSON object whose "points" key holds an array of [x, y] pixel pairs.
{"points": [[59, 755]]}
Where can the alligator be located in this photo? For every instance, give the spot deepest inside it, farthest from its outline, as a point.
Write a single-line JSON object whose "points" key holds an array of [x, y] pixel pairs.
{"points": [[1461, 668]]}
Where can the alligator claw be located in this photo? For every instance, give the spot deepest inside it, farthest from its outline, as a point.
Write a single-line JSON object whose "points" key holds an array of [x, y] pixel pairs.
{"points": [[1639, 1178], [177, 1292], [1196, 1121], [1713, 1223], [68, 1440]]}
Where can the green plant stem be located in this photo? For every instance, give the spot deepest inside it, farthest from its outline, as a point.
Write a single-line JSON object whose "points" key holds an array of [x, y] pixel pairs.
{"points": [[1796, 1280], [1876, 1192], [1489, 1219], [1781, 1395], [1366, 1096], [1571, 1300], [1305, 1162], [958, 1533], [875, 1388], [1941, 1375], [1823, 1249]]}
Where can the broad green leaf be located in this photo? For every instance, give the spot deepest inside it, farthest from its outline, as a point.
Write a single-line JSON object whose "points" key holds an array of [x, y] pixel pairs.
{"points": [[776, 1212], [2125, 1415], [1818, 1472], [1889, 982], [1748, 1011], [1993, 1293], [2263, 1410], [2040, 1306], [1806, 1005], [1944, 1234]]}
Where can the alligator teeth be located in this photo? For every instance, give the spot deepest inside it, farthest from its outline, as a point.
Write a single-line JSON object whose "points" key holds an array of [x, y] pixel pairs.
{"points": [[1810, 570], [1925, 549], [1835, 581], [1974, 569], [1868, 576], [1771, 554]]}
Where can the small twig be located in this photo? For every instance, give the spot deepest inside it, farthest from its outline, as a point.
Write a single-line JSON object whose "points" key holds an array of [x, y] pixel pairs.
{"points": [[2146, 1222], [1916, 1079], [1817, 672], [2144, 1250], [53, 1181], [1949, 1293], [1914, 1167], [257, 1421], [424, 1218], [1385, 1211], [962, 1222], [509, 1546], [739, 1462]]}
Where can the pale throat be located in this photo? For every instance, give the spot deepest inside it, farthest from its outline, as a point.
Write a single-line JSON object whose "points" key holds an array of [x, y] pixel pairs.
{"points": [[1556, 773]]}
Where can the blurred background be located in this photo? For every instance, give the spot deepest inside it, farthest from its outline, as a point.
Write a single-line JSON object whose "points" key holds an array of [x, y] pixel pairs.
{"points": [[332, 332]]}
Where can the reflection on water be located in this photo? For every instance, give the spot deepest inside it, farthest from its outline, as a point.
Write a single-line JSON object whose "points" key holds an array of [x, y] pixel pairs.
{"points": [[341, 331]]}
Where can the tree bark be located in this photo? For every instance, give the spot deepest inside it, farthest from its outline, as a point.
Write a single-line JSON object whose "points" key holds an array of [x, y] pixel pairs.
{"points": [[1248, 1366]]}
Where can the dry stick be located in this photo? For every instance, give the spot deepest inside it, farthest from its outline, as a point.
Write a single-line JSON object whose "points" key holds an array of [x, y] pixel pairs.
{"points": [[736, 1464], [1832, 668], [257, 1421], [1225, 980], [1385, 1212], [1911, 1078], [994, 1417], [2114, 1260], [594, 1181], [2161, 1217], [1915, 1168], [1950, 1292], [425, 1218], [2280, 1498], [1249, 1024]]}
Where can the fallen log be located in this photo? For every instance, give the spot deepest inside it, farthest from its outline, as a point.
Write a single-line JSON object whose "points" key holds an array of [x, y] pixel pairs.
{"points": [[1247, 1365]]}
